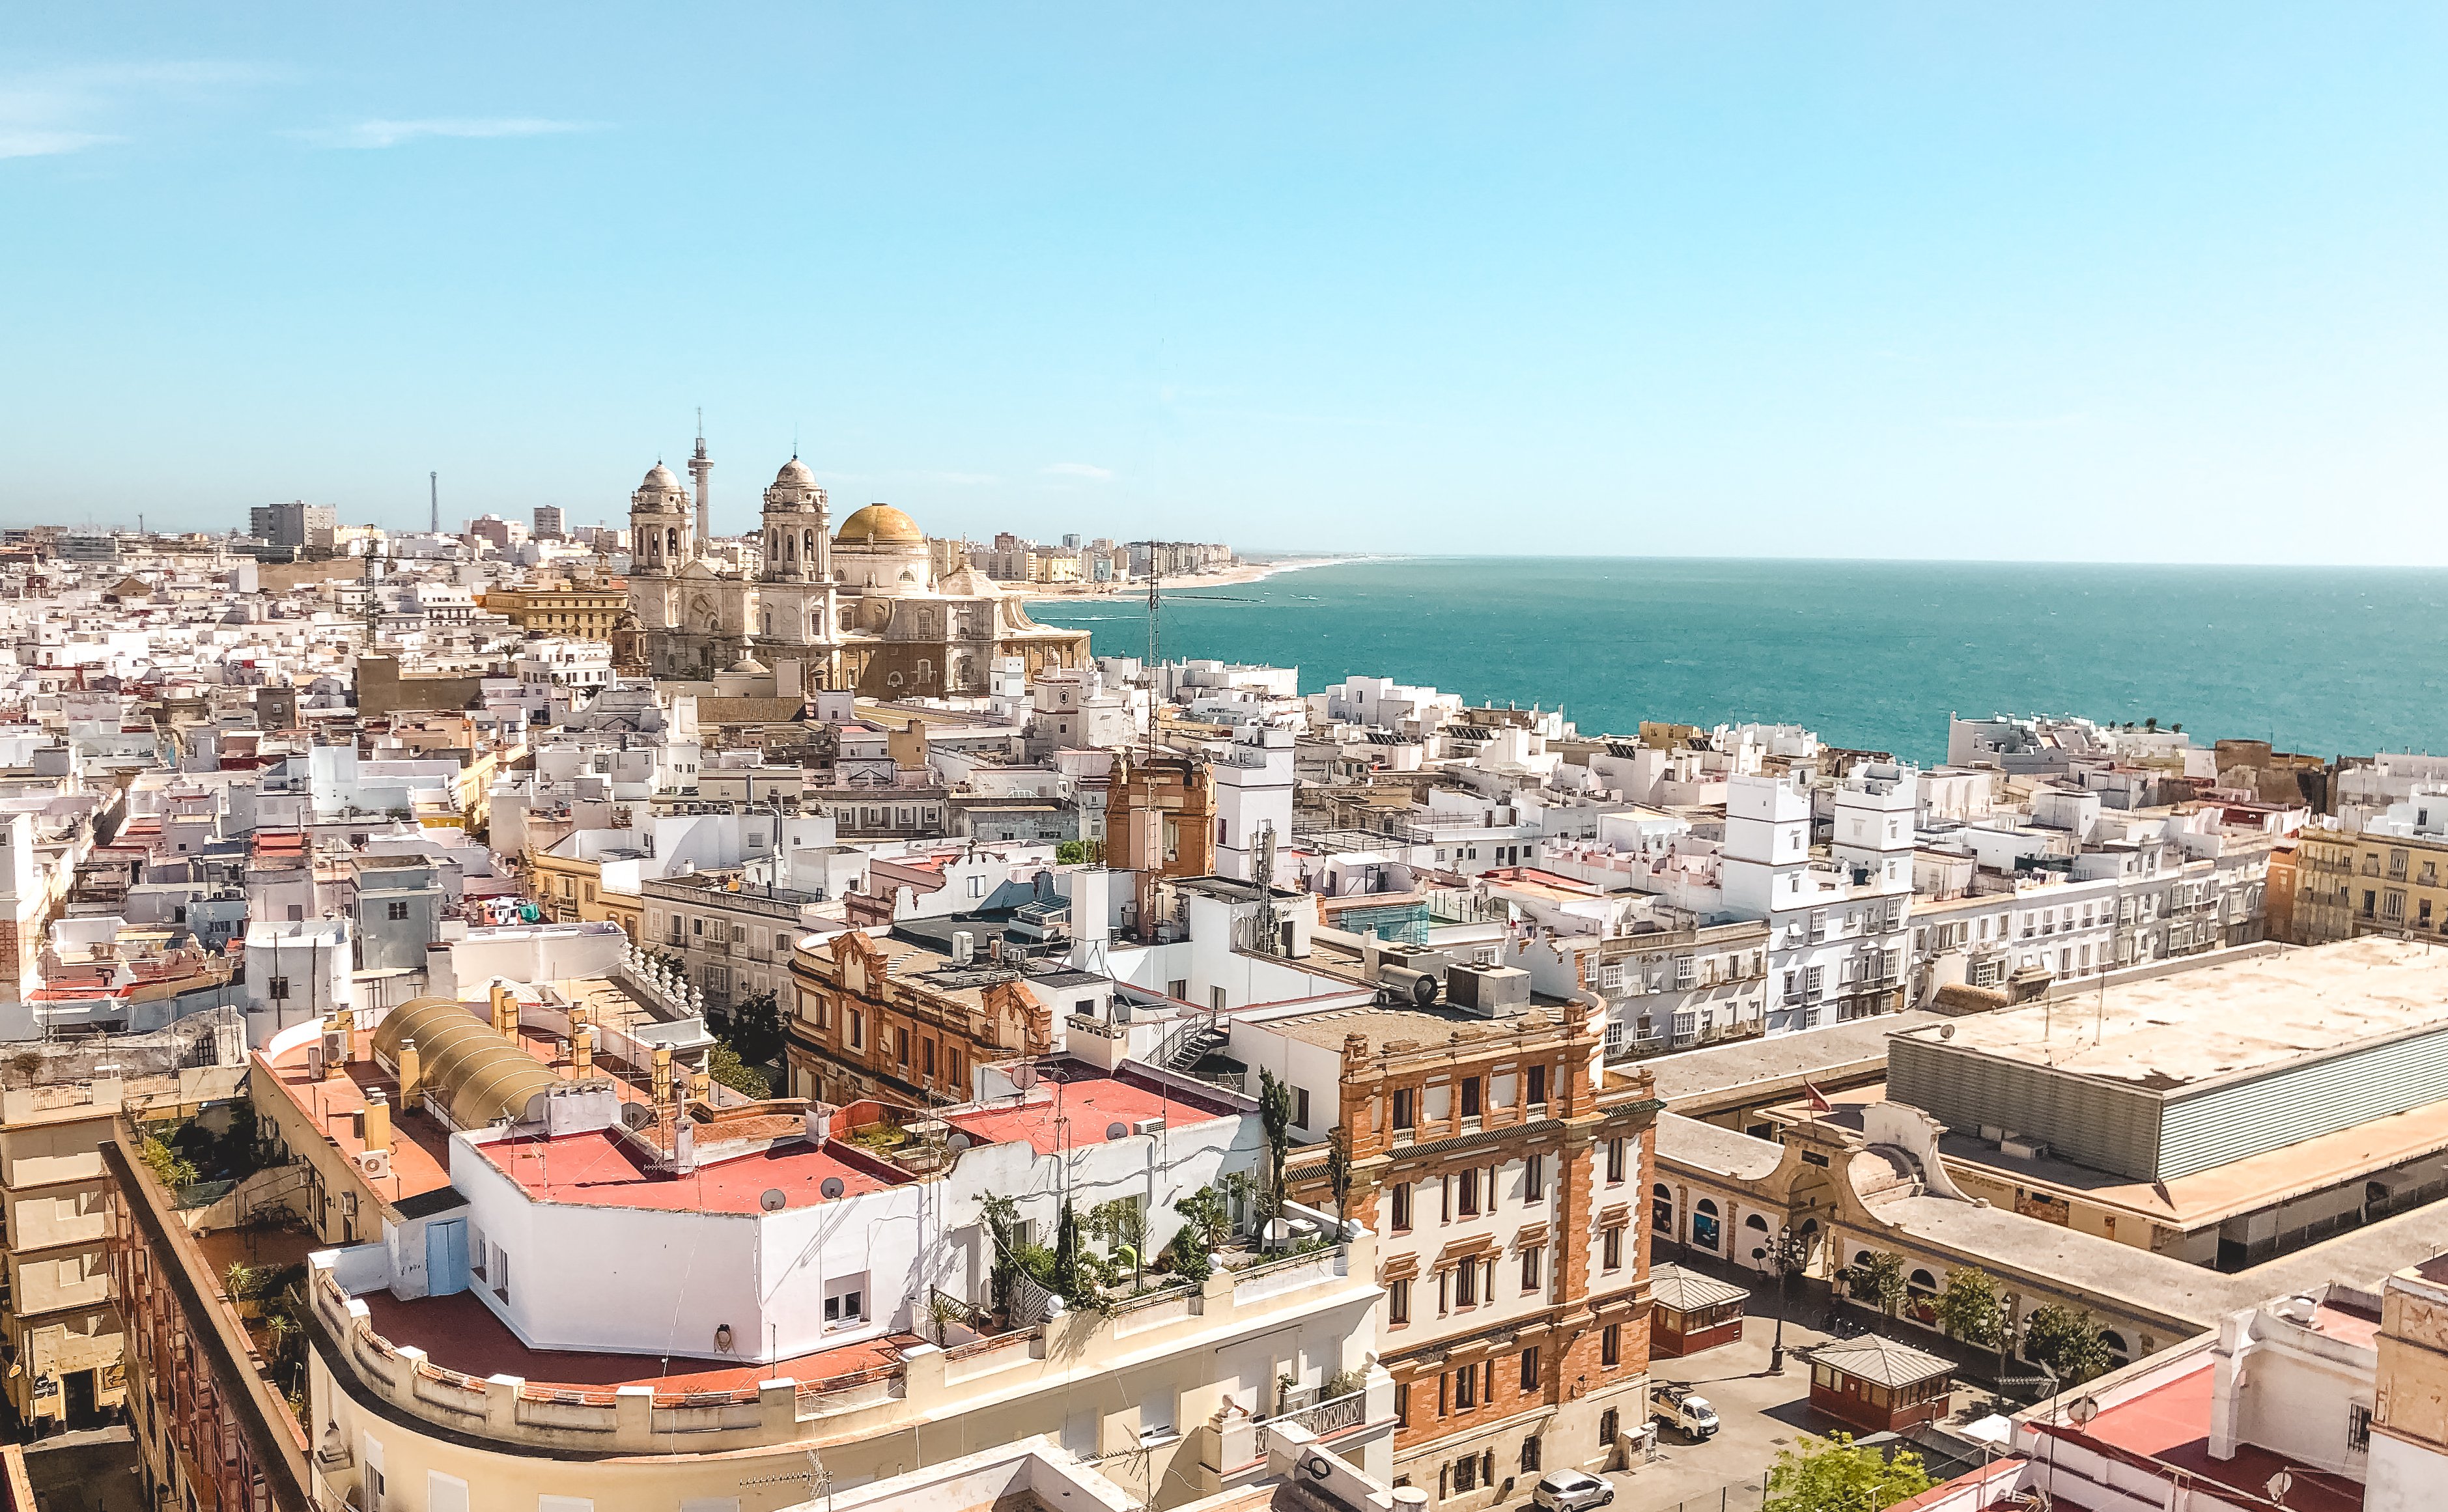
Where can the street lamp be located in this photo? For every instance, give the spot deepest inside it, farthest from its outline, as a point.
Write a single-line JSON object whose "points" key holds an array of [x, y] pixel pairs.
{"points": [[1782, 1253]]}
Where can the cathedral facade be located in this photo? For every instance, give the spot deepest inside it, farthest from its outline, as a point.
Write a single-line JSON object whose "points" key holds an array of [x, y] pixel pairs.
{"points": [[861, 608]]}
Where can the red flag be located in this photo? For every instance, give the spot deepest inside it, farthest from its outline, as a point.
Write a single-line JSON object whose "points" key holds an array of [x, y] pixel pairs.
{"points": [[1818, 1103]]}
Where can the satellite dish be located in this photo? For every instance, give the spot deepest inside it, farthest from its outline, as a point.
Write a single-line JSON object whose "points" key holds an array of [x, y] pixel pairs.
{"points": [[833, 1187], [1117, 1130], [775, 1199], [1947, 1031], [636, 1115], [1023, 1076], [2083, 1411], [958, 1142], [2280, 1484]]}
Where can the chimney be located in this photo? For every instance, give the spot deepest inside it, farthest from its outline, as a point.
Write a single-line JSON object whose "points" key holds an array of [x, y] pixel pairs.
{"points": [[412, 1071], [662, 1075], [374, 1124], [506, 1012], [581, 1050]]}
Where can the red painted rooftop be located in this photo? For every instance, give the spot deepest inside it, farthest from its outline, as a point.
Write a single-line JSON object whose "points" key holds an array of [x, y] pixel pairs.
{"points": [[602, 1169], [2171, 1423], [459, 1332], [1089, 1106]]}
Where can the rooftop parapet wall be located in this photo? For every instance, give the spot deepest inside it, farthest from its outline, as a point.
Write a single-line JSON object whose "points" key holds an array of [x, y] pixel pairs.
{"points": [[925, 1384]]}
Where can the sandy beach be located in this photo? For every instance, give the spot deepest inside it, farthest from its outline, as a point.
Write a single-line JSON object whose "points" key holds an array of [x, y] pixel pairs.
{"points": [[1243, 572]]}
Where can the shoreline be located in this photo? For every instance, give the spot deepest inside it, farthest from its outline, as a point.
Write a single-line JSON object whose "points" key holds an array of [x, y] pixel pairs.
{"points": [[1242, 573]]}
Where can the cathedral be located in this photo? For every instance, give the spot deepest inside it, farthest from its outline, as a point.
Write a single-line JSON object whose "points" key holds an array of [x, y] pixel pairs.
{"points": [[861, 608]]}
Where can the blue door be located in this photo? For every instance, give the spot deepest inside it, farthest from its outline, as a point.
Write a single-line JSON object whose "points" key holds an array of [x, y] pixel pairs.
{"points": [[446, 1257]]}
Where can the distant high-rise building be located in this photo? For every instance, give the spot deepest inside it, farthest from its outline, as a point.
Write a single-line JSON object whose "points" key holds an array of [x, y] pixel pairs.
{"points": [[295, 524], [548, 523]]}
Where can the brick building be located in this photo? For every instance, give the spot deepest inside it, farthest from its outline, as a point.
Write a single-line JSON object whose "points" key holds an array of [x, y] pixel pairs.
{"points": [[1159, 823], [1502, 1163], [877, 1016]]}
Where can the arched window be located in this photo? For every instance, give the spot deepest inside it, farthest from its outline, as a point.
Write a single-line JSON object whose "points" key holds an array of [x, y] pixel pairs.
{"points": [[2117, 1349], [817, 624], [1920, 1298], [1661, 1210], [1704, 1224], [808, 544], [1755, 1221]]}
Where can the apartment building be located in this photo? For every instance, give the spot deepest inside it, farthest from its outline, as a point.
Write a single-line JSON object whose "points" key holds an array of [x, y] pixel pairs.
{"points": [[63, 1100], [579, 611], [1500, 1163], [732, 936], [2388, 877], [645, 1313], [878, 1014]]}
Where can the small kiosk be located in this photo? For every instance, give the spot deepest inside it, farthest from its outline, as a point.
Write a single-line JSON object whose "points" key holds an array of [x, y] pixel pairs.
{"points": [[1691, 1311], [1878, 1385]]}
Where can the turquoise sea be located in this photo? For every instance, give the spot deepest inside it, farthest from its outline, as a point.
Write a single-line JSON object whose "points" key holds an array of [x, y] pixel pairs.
{"points": [[1870, 654]]}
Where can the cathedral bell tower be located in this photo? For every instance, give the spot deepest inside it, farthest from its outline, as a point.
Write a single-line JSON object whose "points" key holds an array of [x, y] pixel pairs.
{"points": [[660, 539], [798, 545]]}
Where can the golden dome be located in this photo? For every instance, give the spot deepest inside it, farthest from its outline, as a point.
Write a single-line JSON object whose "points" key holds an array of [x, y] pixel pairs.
{"points": [[880, 524]]}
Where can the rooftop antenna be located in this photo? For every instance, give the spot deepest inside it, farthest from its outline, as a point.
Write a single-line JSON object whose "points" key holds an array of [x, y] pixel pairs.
{"points": [[434, 492]]}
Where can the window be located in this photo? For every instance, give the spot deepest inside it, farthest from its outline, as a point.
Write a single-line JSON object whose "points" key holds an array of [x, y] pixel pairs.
{"points": [[1530, 1369], [1300, 1108], [1534, 1267], [1406, 1110], [1402, 1205], [2357, 1429], [697, 926], [1465, 1289], [1614, 1160], [1470, 1097], [857, 1030], [501, 1274], [395, 911], [1398, 1301], [1704, 1224], [1467, 1193], [1465, 1389], [1611, 1348], [1403, 1402], [1534, 1179], [1538, 1085], [1611, 1249], [1661, 1210], [1530, 1447], [846, 1302], [276, 988], [1465, 1472]]}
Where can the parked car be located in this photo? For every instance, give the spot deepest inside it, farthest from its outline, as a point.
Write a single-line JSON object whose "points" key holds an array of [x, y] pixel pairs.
{"points": [[1571, 1491], [1679, 1407]]}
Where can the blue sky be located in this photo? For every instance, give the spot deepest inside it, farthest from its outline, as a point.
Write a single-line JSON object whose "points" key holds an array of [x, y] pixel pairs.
{"points": [[2109, 284]]}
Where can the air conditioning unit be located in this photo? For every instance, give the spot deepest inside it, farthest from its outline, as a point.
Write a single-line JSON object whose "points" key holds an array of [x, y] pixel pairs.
{"points": [[375, 1164], [1147, 1126], [2023, 1149]]}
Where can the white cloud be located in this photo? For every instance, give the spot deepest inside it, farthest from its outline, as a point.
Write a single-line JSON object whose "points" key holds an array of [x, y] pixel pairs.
{"points": [[381, 133], [50, 112], [1078, 469], [40, 144]]}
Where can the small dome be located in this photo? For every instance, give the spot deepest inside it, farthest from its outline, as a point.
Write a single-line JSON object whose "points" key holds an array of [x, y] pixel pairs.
{"points": [[880, 524], [660, 476], [794, 474], [750, 664]]}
